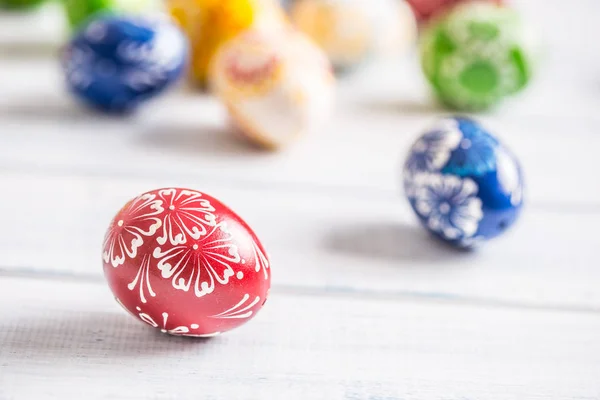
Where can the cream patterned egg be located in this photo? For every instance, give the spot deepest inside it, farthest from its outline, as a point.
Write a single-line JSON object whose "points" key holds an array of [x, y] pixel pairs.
{"points": [[352, 31], [463, 184], [115, 63], [183, 262], [276, 84]]}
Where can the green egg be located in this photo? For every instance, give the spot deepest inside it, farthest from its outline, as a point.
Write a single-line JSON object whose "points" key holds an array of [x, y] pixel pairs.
{"points": [[20, 4], [80, 11], [477, 55]]}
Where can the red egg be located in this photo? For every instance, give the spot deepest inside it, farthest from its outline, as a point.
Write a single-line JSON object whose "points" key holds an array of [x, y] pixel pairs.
{"points": [[185, 263], [428, 9]]}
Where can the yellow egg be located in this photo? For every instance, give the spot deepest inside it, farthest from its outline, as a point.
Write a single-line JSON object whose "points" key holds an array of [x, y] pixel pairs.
{"points": [[276, 83], [210, 23]]}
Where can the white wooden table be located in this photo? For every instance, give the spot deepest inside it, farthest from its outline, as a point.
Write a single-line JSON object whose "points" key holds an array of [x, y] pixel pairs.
{"points": [[364, 305]]}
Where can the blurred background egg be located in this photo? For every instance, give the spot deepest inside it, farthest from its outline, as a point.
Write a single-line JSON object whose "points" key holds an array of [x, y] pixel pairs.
{"points": [[20, 4], [79, 12], [210, 23], [351, 31], [464, 185], [477, 55], [116, 63], [426, 10], [276, 84]]}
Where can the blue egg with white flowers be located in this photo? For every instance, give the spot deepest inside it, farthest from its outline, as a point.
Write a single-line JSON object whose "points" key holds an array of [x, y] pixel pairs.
{"points": [[116, 62], [464, 185]]}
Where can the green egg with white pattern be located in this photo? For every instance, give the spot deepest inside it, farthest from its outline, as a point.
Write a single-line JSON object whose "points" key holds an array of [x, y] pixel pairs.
{"points": [[80, 11], [477, 55]]}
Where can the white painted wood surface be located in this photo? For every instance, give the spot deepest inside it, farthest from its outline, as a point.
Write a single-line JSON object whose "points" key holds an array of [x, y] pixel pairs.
{"points": [[328, 240], [187, 135], [68, 339], [365, 305], [40, 30]]}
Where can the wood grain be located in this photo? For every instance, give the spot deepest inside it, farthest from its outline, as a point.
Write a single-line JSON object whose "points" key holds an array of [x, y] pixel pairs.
{"points": [[338, 243], [364, 304], [59, 338], [360, 150]]}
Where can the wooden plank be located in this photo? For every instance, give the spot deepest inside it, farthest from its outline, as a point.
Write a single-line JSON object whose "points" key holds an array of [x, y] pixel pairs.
{"points": [[345, 242], [361, 149], [18, 39], [57, 339]]}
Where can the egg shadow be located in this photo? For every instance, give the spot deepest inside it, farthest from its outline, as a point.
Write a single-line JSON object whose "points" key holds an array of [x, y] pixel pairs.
{"points": [[420, 107], [29, 51], [94, 335], [389, 241], [57, 109], [220, 140]]}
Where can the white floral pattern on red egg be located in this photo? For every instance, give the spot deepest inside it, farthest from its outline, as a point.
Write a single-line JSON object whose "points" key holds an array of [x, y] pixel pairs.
{"points": [[201, 264], [178, 252], [136, 221]]}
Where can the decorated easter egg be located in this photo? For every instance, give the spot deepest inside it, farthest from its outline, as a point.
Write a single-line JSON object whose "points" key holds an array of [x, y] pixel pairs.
{"points": [[426, 10], [463, 184], [20, 4], [352, 31], [79, 12], [477, 55], [277, 85], [183, 262], [116, 63], [210, 23]]}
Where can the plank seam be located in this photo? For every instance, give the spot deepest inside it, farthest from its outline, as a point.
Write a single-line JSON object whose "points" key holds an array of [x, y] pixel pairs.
{"points": [[357, 192], [334, 291]]}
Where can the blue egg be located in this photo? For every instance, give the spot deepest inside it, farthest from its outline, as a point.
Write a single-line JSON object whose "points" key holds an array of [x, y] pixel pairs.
{"points": [[463, 184], [115, 63]]}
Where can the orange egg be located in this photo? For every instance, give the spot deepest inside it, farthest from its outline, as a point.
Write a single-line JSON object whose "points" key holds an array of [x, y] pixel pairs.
{"points": [[210, 23]]}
